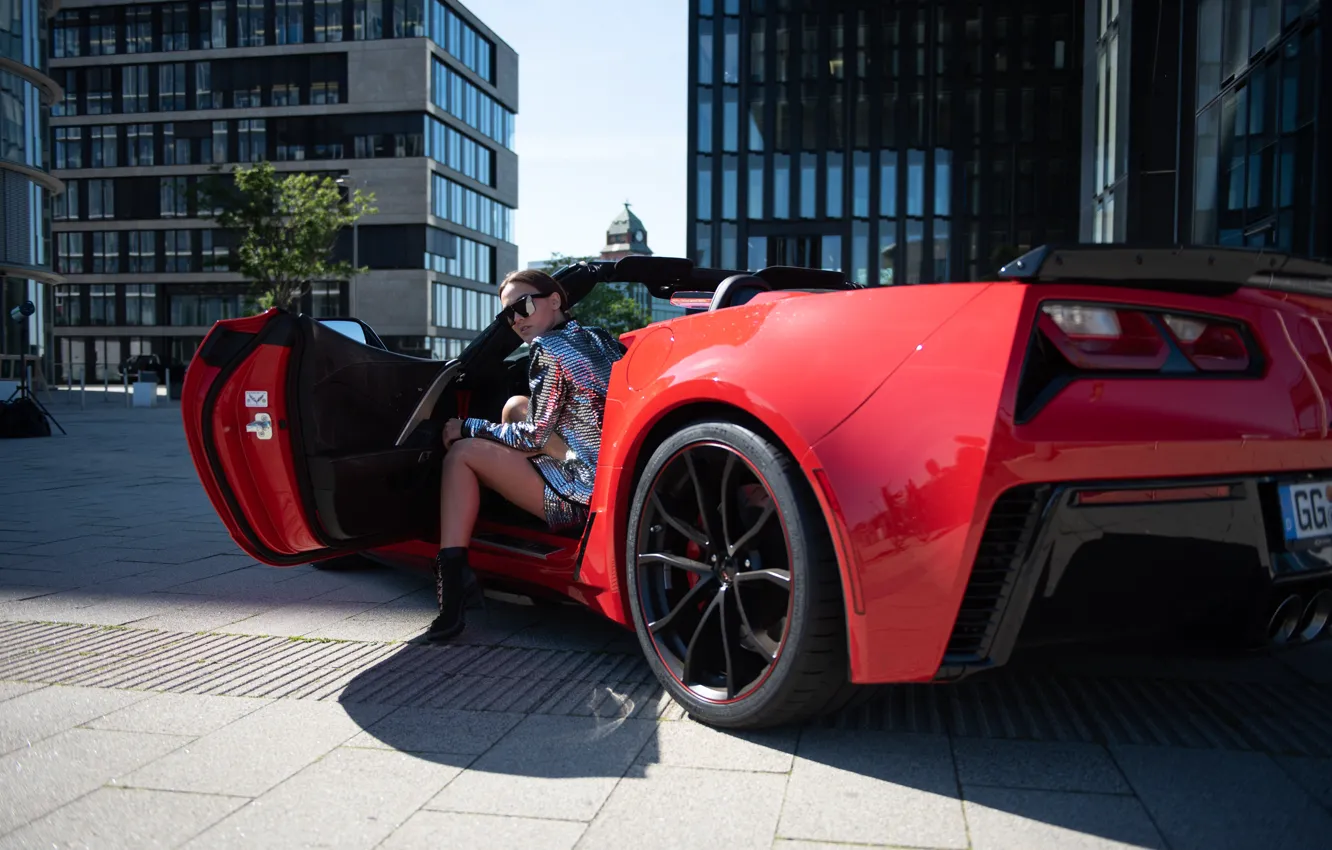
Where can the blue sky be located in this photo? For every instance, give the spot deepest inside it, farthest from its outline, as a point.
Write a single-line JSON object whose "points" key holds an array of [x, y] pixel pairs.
{"points": [[602, 118]]}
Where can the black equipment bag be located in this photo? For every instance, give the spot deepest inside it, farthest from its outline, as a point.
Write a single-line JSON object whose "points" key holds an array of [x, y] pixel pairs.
{"points": [[23, 418]]}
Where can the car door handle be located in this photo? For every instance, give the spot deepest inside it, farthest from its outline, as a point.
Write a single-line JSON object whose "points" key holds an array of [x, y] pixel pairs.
{"points": [[261, 427]]}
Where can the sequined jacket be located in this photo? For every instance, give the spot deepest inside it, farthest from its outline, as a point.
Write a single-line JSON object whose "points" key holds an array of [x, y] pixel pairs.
{"points": [[568, 374]]}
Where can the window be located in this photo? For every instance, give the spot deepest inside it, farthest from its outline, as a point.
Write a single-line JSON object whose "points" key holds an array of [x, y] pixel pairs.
{"points": [[250, 23], [244, 98], [103, 146], [204, 98], [409, 21], [704, 191], [69, 252], [106, 253], [143, 251], [290, 16], [171, 87], [65, 206], [68, 306], [68, 147], [286, 94], [755, 188], [457, 203], [808, 162], [327, 20], [215, 253], [101, 199], [324, 92], [101, 32], [102, 304], [202, 306], [781, 185], [139, 144], [69, 104], [141, 304], [367, 20], [134, 88], [478, 110], [179, 252], [65, 35], [219, 141], [251, 139], [174, 151], [835, 172], [99, 91], [139, 29], [213, 24], [176, 26], [173, 197]]}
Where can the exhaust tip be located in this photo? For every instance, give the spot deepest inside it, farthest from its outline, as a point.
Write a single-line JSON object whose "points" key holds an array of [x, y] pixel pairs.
{"points": [[1315, 617], [1285, 620]]}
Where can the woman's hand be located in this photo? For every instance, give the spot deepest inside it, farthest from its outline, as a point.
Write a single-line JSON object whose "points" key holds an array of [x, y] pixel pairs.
{"points": [[452, 432]]}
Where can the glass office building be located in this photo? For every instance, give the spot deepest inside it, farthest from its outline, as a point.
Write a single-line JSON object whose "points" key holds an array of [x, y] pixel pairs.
{"points": [[1208, 124], [412, 100], [899, 142], [26, 185]]}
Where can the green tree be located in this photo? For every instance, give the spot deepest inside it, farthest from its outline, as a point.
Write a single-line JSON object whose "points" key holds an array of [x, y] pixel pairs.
{"points": [[286, 225], [607, 306]]}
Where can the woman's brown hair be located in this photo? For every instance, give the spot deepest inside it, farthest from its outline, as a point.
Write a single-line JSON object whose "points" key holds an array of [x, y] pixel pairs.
{"points": [[541, 282]]}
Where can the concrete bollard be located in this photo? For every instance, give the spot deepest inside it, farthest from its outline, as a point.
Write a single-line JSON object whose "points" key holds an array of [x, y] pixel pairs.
{"points": [[83, 388], [106, 385], [125, 375]]}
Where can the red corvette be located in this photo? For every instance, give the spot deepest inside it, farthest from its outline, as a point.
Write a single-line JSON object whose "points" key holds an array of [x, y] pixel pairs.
{"points": [[807, 485]]}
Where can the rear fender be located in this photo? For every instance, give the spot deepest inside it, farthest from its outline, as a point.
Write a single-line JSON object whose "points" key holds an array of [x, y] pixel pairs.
{"points": [[910, 471]]}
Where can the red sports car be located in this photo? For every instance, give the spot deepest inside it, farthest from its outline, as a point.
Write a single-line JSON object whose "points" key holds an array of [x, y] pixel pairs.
{"points": [[806, 485]]}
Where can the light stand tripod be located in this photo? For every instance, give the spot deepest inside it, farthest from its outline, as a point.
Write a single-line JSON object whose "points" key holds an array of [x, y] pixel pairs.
{"points": [[21, 314]]}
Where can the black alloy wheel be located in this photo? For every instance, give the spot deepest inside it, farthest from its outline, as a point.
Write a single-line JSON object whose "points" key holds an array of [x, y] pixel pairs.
{"points": [[733, 581]]}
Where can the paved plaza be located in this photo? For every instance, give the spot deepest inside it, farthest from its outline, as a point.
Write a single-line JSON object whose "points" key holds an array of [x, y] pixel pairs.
{"points": [[160, 689]]}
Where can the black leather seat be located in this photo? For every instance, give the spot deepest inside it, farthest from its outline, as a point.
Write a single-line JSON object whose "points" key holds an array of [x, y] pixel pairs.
{"points": [[736, 290]]}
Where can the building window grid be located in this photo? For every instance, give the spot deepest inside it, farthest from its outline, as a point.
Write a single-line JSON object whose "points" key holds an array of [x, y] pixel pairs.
{"points": [[101, 199], [463, 100], [140, 304], [1255, 137], [934, 101], [458, 38], [462, 308], [463, 206], [142, 249], [139, 29], [458, 151]]}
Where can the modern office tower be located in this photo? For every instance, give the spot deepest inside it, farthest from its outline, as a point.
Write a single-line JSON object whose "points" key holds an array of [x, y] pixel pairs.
{"points": [[413, 100], [1208, 123], [26, 186], [900, 142]]}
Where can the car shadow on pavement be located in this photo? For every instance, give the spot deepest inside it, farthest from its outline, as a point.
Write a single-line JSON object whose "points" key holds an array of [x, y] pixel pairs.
{"points": [[1111, 745]]}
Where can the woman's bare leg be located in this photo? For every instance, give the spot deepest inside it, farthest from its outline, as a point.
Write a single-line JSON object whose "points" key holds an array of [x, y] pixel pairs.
{"points": [[515, 410], [470, 463]]}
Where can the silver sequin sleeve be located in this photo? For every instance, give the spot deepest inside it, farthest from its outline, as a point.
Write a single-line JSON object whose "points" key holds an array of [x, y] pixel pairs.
{"points": [[548, 380]]}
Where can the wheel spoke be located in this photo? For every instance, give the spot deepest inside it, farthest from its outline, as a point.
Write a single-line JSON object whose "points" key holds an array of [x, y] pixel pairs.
{"points": [[726, 647], [781, 578], [767, 512], [693, 641], [675, 561], [684, 528], [759, 646], [690, 598], [725, 514], [698, 493]]}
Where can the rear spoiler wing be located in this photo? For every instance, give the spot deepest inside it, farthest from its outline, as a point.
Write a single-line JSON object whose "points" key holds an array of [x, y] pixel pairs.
{"points": [[1204, 271]]}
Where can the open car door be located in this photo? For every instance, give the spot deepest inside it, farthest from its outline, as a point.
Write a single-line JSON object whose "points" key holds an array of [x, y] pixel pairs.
{"points": [[311, 443]]}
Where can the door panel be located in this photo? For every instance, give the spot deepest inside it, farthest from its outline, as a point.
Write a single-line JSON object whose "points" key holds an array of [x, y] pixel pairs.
{"points": [[293, 426]]}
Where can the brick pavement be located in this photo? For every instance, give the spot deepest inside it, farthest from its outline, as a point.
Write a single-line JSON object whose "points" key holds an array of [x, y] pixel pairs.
{"points": [[158, 688]]}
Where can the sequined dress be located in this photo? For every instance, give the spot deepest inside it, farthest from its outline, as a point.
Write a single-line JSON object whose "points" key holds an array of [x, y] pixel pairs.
{"points": [[568, 373]]}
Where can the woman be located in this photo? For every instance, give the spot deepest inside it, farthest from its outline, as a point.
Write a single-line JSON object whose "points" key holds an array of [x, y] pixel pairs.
{"points": [[543, 457]]}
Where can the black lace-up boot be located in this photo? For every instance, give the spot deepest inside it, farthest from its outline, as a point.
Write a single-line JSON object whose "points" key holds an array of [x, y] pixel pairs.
{"points": [[455, 584]]}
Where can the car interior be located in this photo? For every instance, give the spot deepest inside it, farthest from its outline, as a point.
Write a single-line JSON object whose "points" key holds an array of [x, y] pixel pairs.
{"points": [[371, 420]]}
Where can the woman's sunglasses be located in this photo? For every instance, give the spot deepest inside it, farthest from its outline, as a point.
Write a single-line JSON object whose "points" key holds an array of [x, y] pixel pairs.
{"points": [[524, 307]]}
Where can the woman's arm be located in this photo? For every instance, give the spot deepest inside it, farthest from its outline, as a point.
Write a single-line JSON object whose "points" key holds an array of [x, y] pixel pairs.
{"points": [[549, 386]]}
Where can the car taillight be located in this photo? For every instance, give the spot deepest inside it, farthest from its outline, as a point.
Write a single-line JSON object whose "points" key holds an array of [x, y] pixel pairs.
{"points": [[1210, 346], [1099, 337]]}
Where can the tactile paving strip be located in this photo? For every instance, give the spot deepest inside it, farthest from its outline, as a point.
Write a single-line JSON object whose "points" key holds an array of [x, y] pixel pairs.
{"points": [[1286, 718]]}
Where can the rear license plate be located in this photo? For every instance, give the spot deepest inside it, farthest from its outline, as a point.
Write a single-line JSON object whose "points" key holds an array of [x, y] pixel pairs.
{"points": [[1306, 510]]}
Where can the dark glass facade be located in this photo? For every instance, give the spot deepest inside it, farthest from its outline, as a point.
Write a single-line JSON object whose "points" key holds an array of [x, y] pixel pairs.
{"points": [[1261, 141], [26, 95], [898, 142], [1208, 124], [141, 122]]}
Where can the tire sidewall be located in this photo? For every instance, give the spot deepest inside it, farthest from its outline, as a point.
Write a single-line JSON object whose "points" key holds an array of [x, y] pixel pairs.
{"points": [[766, 458]]}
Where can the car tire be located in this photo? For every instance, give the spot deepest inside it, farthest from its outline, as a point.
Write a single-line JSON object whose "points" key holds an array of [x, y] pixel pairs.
{"points": [[810, 673]]}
